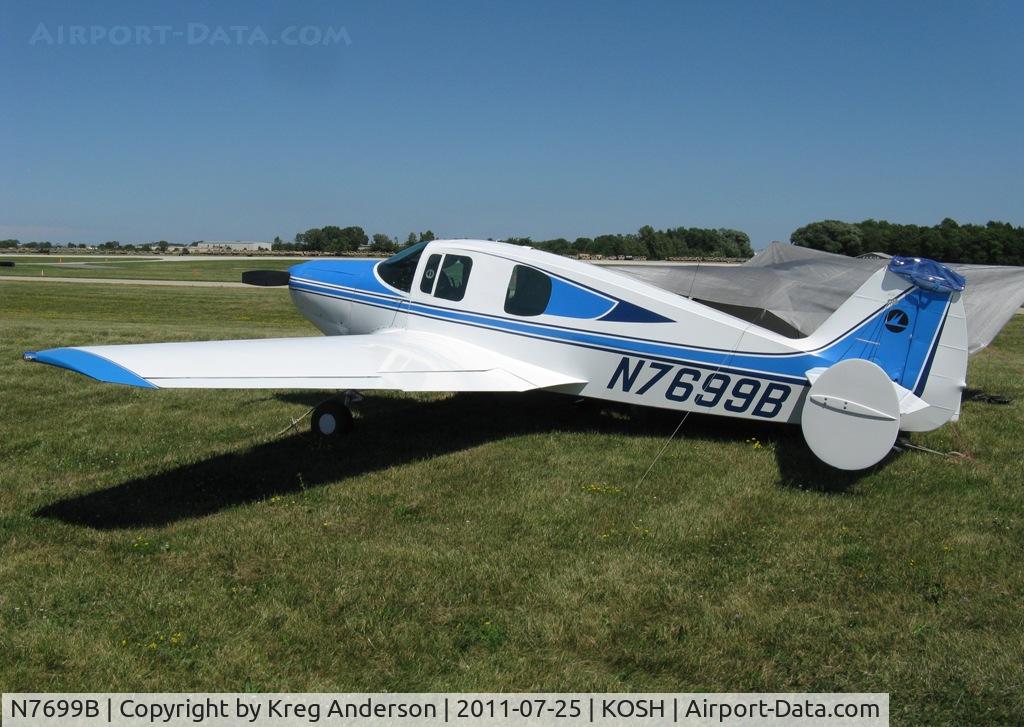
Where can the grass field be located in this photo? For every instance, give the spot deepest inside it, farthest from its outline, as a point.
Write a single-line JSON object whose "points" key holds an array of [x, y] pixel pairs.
{"points": [[170, 540], [190, 268]]}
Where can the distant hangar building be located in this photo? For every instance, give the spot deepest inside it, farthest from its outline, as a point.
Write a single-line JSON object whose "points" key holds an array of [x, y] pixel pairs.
{"points": [[231, 246]]}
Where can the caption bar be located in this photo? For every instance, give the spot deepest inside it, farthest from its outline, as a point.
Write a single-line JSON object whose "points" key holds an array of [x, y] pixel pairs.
{"points": [[463, 709]]}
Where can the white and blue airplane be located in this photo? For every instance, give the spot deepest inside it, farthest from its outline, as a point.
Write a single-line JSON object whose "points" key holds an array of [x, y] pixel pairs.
{"points": [[464, 315]]}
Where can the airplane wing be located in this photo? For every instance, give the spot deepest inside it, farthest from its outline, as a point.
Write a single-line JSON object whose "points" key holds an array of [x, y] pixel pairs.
{"points": [[402, 360]]}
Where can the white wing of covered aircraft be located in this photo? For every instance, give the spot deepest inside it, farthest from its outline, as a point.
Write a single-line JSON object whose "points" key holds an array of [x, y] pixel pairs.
{"points": [[462, 315]]}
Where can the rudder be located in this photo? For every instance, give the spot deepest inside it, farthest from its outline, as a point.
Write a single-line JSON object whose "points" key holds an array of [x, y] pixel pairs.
{"points": [[908, 319]]}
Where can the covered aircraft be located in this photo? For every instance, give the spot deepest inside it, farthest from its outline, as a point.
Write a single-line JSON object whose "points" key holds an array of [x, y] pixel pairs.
{"points": [[463, 315], [793, 289]]}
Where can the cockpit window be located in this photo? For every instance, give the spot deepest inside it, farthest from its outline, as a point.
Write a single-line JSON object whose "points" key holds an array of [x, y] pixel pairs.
{"points": [[398, 270], [430, 273], [451, 283], [529, 291]]}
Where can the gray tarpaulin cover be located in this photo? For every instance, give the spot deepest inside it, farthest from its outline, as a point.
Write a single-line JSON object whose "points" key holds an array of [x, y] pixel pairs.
{"points": [[793, 289]]}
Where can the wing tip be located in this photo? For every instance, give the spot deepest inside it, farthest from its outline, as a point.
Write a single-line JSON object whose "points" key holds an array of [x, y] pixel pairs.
{"points": [[89, 364]]}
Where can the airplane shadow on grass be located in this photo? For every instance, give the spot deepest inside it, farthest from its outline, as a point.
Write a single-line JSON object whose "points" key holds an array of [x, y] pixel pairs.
{"points": [[395, 431]]}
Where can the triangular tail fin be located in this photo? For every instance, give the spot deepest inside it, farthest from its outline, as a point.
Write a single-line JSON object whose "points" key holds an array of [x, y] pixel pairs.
{"points": [[909, 319]]}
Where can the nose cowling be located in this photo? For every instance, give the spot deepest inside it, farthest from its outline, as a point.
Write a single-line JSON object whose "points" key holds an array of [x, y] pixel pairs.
{"points": [[346, 273], [342, 296]]}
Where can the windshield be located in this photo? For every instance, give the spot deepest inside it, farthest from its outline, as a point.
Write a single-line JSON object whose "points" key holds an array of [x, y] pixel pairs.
{"points": [[398, 270]]}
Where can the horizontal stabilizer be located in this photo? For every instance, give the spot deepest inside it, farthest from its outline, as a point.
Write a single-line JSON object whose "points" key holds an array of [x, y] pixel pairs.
{"points": [[908, 401]]}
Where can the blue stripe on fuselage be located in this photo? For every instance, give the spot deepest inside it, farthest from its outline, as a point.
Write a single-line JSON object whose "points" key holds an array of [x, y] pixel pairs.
{"points": [[571, 301], [788, 367], [377, 303], [932, 308]]}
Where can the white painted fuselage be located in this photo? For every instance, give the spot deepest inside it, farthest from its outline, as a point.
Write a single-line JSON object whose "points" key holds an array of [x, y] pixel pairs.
{"points": [[626, 340]]}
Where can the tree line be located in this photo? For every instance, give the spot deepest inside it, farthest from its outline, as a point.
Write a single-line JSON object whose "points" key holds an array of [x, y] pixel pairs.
{"points": [[652, 244], [647, 242], [334, 239], [995, 243], [112, 245]]}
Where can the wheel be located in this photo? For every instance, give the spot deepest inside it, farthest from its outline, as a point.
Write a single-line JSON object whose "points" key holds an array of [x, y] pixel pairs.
{"points": [[331, 419]]}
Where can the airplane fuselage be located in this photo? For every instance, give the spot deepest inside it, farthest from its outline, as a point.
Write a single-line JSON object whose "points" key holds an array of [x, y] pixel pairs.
{"points": [[463, 315], [629, 341]]}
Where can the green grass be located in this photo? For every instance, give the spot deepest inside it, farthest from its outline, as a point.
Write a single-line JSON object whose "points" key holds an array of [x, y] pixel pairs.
{"points": [[190, 268], [169, 540]]}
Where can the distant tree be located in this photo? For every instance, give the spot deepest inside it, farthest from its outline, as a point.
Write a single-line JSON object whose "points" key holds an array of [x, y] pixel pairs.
{"points": [[558, 246], [382, 243], [655, 245], [427, 236], [996, 243], [343, 239], [830, 236], [312, 239], [607, 245], [354, 237], [411, 239], [9, 243], [330, 238], [581, 245], [735, 243], [334, 240], [162, 246]]}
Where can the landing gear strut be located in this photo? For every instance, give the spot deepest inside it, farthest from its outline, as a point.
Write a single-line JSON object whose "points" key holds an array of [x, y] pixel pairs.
{"points": [[332, 419]]}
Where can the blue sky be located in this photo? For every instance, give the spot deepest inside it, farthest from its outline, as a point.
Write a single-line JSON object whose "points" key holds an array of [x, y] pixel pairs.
{"points": [[491, 119]]}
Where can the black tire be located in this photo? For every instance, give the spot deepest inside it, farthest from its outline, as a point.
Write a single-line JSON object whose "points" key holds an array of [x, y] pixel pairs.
{"points": [[331, 420]]}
